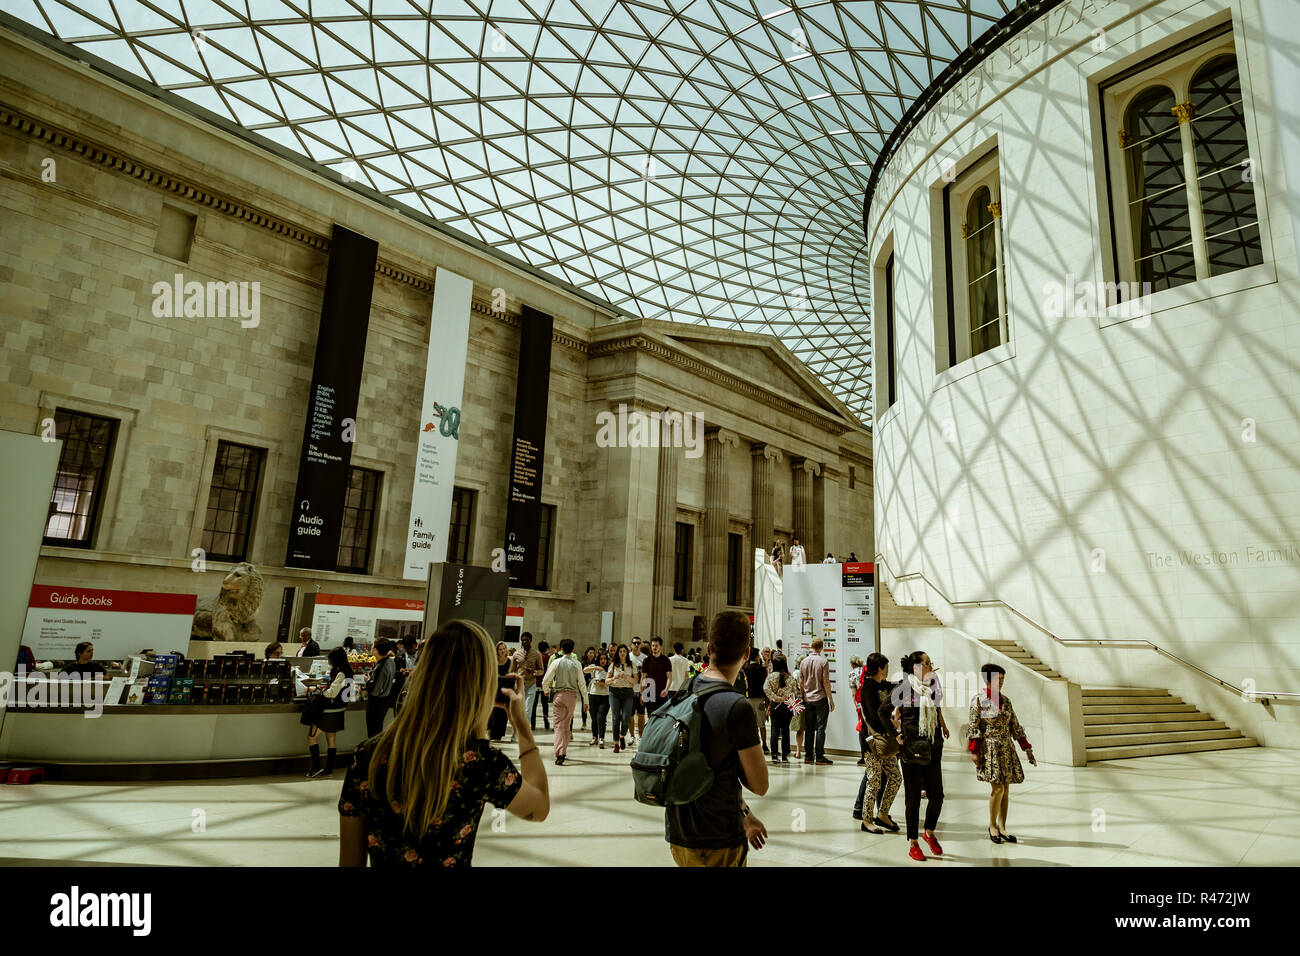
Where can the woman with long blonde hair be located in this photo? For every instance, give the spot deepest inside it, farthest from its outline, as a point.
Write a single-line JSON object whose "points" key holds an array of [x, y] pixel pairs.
{"points": [[414, 794]]}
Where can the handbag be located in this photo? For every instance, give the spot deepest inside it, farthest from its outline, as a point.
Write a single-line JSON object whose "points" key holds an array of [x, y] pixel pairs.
{"points": [[917, 750], [882, 746], [313, 707]]}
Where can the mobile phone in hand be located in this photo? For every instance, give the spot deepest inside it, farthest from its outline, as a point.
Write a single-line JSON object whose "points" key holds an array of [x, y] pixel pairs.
{"points": [[504, 682]]}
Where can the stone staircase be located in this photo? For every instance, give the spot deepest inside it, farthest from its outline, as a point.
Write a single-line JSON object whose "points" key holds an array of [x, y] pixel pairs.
{"points": [[1019, 654], [893, 614], [1119, 722], [1123, 722]]}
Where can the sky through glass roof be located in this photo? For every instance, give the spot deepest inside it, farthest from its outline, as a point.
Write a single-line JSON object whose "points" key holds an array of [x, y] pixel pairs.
{"points": [[700, 161]]}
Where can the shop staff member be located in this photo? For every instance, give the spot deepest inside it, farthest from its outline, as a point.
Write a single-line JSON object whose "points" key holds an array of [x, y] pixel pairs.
{"points": [[797, 554], [274, 651], [84, 666], [308, 648]]}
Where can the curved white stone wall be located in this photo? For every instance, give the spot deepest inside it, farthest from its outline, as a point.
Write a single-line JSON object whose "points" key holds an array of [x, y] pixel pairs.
{"points": [[1115, 480]]}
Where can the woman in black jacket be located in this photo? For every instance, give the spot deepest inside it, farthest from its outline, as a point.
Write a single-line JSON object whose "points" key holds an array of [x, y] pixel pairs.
{"points": [[914, 710], [881, 780]]}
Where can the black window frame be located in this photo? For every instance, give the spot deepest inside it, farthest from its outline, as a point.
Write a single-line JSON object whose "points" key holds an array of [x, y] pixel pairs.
{"points": [[248, 515], [545, 540], [891, 393], [735, 567], [81, 448], [460, 529], [351, 520], [683, 545]]}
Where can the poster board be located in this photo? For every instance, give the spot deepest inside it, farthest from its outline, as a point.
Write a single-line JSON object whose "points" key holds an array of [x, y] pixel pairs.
{"points": [[364, 619], [835, 602], [118, 623]]}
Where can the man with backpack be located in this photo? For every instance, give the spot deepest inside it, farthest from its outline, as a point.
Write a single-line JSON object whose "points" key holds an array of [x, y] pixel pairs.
{"points": [[706, 820]]}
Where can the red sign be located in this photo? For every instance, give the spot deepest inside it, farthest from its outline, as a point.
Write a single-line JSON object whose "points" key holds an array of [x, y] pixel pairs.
{"points": [[124, 602], [352, 600]]}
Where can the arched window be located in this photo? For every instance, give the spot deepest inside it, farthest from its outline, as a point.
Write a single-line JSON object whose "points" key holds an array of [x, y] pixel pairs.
{"points": [[982, 272], [1223, 167], [1184, 202], [1159, 224]]}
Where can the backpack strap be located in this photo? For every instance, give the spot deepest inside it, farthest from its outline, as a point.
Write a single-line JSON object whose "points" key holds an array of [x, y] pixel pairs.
{"points": [[721, 685]]}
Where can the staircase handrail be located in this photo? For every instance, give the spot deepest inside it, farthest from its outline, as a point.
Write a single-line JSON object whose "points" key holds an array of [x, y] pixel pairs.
{"points": [[1257, 696]]}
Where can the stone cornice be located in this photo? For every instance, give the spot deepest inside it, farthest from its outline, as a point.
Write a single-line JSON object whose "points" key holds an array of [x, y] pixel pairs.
{"points": [[513, 319], [640, 342], [119, 161]]}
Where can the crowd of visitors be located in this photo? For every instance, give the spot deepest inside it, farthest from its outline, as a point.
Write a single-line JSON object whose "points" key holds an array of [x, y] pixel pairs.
{"points": [[417, 788]]}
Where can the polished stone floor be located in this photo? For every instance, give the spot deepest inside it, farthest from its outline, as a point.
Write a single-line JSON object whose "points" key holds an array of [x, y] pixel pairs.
{"points": [[1230, 808]]}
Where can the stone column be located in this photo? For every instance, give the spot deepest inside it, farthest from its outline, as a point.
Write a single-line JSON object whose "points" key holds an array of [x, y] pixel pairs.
{"points": [[718, 445], [661, 611], [804, 469], [825, 501], [765, 458]]}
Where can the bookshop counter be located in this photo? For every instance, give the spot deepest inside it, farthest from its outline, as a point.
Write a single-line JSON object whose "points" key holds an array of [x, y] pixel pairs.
{"points": [[166, 741]]}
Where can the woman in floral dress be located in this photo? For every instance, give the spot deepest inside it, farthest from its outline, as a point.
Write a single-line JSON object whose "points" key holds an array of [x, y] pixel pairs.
{"points": [[993, 726], [415, 793]]}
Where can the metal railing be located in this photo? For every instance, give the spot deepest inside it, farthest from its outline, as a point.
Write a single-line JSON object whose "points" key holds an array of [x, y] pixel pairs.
{"points": [[1254, 696]]}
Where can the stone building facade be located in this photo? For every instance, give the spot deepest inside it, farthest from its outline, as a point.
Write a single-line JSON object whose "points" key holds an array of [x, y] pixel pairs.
{"points": [[95, 176]]}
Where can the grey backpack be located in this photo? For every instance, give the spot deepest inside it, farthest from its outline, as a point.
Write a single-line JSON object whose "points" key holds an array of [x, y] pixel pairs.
{"points": [[670, 767]]}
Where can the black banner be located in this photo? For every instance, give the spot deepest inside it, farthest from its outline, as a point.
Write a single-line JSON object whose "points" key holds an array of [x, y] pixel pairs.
{"points": [[332, 403], [286, 615], [528, 449]]}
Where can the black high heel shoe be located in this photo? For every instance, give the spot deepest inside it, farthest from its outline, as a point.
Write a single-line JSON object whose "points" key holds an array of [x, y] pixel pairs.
{"points": [[994, 837], [1008, 838], [891, 827], [867, 829]]}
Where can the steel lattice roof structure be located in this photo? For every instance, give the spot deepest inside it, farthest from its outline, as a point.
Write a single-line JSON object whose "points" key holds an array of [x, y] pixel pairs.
{"points": [[701, 161]]}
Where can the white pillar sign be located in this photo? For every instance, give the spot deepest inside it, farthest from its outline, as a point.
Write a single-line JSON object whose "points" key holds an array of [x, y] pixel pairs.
{"points": [[440, 424]]}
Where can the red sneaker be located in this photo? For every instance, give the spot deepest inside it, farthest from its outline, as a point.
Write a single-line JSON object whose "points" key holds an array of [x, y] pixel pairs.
{"points": [[933, 844], [916, 854]]}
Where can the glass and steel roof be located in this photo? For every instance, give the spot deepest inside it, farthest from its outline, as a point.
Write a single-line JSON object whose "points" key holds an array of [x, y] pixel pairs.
{"points": [[701, 161]]}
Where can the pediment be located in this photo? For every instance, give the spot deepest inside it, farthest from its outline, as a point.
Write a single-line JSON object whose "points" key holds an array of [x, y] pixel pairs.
{"points": [[764, 366]]}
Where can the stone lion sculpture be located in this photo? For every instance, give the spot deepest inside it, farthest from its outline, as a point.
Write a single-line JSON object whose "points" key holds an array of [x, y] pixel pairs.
{"points": [[232, 614]]}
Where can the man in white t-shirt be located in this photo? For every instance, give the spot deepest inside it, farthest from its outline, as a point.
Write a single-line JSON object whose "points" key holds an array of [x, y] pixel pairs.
{"points": [[681, 674], [797, 555], [829, 559], [638, 713]]}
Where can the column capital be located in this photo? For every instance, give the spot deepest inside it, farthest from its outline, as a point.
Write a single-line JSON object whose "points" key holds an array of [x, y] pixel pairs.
{"points": [[807, 464], [770, 452], [722, 436]]}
